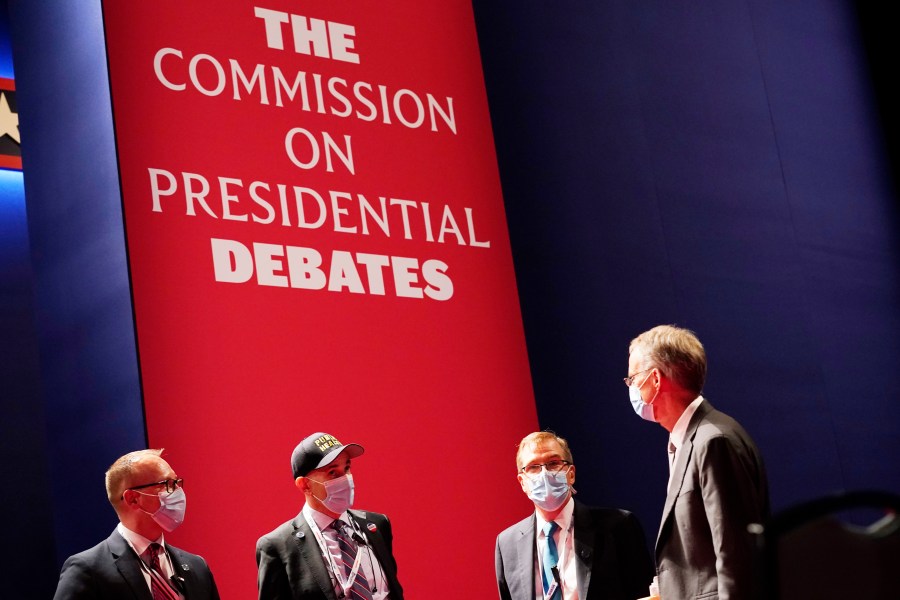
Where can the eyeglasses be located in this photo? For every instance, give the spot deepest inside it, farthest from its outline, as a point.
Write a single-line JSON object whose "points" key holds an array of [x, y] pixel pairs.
{"points": [[630, 379], [171, 485], [554, 466]]}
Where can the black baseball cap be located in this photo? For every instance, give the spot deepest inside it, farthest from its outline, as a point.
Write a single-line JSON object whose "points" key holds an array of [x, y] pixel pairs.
{"points": [[318, 450]]}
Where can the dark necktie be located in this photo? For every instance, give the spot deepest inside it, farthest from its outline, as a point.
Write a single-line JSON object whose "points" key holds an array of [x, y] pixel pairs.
{"points": [[159, 587], [672, 450], [550, 562], [360, 588]]}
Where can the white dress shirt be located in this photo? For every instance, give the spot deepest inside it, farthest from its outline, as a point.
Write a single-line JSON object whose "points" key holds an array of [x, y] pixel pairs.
{"points": [[320, 524], [565, 548], [676, 437], [140, 544]]}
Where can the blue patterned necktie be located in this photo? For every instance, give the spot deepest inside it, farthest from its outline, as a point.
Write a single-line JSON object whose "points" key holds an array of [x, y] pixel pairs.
{"points": [[550, 561]]}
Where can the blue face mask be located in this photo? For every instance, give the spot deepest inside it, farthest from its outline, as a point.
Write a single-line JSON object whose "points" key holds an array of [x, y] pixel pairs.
{"points": [[549, 490], [643, 409]]}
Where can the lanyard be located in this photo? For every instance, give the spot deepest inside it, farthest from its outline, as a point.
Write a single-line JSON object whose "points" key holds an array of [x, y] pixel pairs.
{"points": [[323, 546]]}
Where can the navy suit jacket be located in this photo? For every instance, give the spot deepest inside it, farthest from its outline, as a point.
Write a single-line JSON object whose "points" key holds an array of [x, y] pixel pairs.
{"points": [[291, 566], [112, 570], [613, 561]]}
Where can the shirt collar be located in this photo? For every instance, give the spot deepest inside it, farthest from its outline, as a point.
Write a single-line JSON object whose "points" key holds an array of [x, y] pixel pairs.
{"points": [[322, 520], [681, 425], [563, 519], [137, 541]]}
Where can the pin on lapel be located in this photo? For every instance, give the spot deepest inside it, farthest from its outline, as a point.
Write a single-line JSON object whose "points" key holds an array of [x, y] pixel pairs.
{"points": [[371, 527]]}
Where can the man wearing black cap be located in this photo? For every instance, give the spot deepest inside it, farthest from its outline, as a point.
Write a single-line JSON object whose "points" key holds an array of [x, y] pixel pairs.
{"points": [[328, 551]]}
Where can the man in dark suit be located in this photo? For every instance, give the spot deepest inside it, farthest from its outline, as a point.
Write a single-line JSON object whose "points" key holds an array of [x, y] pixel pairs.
{"points": [[135, 562], [566, 549], [717, 483], [328, 551]]}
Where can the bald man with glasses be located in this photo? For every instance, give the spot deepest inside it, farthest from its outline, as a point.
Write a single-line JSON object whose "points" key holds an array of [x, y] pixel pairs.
{"points": [[566, 550], [135, 562]]}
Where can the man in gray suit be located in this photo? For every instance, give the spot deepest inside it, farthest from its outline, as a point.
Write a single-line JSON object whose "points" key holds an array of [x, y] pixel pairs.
{"points": [[717, 482], [567, 550]]}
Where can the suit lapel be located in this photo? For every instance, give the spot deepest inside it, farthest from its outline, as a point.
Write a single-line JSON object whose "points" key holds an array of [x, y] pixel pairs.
{"points": [[183, 573], [584, 547], [679, 469], [129, 566], [311, 555], [375, 540], [521, 578]]}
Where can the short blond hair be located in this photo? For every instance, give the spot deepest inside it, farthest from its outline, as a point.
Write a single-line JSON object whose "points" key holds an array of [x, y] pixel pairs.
{"points": [[120, 473], [676, 352], [541, 437]]}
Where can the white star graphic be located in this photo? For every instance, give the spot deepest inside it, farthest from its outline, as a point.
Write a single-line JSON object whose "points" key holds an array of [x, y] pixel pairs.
{"points": [[9, 121]]}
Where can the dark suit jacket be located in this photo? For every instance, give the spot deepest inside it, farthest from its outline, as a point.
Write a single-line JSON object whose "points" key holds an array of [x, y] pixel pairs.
{"points": [[111, 570], [613, 561], [718, 487], [291, 565]]}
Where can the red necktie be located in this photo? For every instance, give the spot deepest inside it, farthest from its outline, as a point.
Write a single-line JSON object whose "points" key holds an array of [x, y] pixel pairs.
{"points": [[159, 587]]}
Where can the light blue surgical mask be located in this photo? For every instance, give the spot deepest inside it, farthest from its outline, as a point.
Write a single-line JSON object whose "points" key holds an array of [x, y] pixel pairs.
{"points": [[549, 490], [643, 409]]}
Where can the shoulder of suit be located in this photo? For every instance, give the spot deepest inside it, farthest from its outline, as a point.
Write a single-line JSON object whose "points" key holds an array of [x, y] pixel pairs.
{"points": [[366, 515], [715, 423], [600, 515], [184, 555], [286, 529], [99, 550], [606, 510], [517, 529]]}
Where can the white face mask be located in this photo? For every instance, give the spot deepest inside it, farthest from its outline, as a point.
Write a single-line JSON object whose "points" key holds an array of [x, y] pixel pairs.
{"points": [[339, 494], [549, 490], [643, 409], [170, 513]]}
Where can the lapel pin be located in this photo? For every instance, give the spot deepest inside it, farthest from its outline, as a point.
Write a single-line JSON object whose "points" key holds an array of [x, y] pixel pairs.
{"points": [[371, 527]]}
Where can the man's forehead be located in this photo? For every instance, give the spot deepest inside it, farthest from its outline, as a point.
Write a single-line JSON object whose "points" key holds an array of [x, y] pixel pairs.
{"points": [[540, 447], [339, 461], [636, 357], [152, 466]]}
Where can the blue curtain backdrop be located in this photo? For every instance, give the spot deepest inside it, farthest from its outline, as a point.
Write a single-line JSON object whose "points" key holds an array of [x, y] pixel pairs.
{"points": [[26, 554], [88, 397], [720, 166]]}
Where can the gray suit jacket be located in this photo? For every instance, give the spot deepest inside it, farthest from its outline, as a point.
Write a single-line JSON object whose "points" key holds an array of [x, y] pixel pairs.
{"points": [[111, 570], [718, 487], [291, 566], [613, 561]]}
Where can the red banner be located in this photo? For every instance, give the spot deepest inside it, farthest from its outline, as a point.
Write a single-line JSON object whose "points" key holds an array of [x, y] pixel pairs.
{"points": [[317, 241]]}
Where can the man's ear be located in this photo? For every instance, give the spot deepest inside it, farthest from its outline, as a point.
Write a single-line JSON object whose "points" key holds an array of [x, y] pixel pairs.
{"points": [[657, 378], [130, 499], [302, 484], [521, 479]]}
